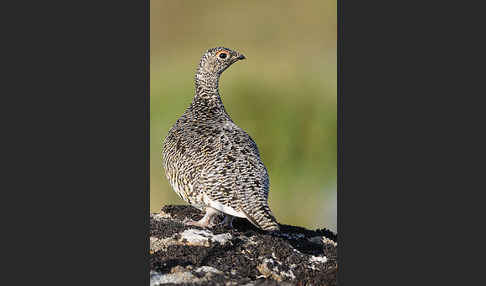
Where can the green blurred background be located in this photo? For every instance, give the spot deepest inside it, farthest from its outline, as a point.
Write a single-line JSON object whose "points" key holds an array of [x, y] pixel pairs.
{"points": [[283, 95]]}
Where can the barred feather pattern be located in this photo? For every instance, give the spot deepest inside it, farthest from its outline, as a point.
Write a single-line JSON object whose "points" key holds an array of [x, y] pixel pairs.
{"points": [[208, 160]]}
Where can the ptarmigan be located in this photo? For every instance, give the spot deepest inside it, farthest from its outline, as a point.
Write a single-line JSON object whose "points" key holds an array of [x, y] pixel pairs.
{"points": [[212, 163]]}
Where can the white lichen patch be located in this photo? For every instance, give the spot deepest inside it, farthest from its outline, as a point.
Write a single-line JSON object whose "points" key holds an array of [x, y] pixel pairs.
{"points": [[194, 237], [319, 259], [328, 241], [160, 216], [179, 275], [208, 269], [157, 244], [273, 272], [250, 241], [288, 274], [177, 278], [316, 260], [198, 237]]}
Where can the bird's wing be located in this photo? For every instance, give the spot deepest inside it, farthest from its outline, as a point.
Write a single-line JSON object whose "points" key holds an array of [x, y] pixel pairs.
{"points": [[235, 181]]}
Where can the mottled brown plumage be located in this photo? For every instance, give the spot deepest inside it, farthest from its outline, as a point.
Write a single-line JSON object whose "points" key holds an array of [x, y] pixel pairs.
{"points": [[212, 163]]}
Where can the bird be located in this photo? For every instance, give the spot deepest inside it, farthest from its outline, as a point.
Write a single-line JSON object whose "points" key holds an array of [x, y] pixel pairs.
{"points": [[212, 163]]}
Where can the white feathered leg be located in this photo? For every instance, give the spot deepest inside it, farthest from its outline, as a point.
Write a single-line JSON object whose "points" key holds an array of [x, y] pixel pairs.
{"points": [[207, 220]]}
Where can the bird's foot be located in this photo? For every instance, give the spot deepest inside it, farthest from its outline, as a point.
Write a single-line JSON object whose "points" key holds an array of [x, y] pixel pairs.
{"points": [[207, 221]]}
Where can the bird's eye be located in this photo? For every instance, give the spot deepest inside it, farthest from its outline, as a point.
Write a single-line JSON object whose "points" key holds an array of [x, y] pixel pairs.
{"points": [[222, 54]]}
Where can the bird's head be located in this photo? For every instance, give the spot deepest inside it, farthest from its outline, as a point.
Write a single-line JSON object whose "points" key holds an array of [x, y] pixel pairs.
{"points": [[216, 60]]}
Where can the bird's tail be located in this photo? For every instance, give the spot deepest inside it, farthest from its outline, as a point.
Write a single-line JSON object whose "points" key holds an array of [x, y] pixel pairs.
{"points": [[262, 218]]}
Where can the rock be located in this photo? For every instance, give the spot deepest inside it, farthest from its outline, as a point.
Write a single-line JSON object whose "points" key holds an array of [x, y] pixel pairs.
{"points": [[203, 237], [244, 255]]}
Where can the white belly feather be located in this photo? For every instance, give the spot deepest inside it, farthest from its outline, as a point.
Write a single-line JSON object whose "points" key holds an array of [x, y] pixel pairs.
{"points": [[222, 208]]}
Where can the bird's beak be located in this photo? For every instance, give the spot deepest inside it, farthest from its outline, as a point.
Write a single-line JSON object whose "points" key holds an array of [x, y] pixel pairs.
{"points": [[241, 57]]}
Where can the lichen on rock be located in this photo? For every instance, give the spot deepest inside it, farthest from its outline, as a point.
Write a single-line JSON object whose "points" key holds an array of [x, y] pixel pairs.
{"points": [[243, 255]]}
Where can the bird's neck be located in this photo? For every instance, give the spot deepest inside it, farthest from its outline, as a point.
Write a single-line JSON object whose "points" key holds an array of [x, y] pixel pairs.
{"points": [[207, 89]]}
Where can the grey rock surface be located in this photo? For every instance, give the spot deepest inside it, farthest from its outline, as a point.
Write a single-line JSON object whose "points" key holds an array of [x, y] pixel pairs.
{"points": [[243, 255]]}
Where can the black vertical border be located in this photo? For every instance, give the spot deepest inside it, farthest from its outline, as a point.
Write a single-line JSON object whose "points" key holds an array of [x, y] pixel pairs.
{"points": [[80, 126]]}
